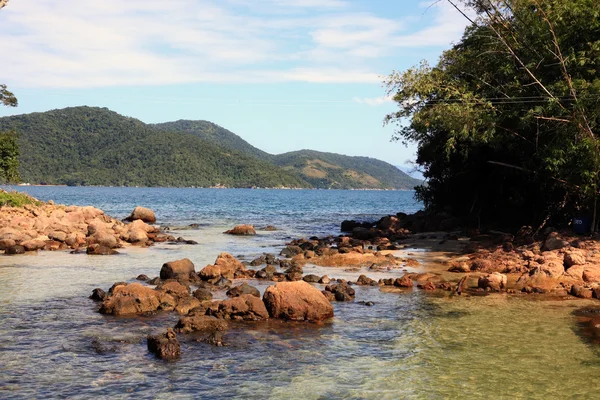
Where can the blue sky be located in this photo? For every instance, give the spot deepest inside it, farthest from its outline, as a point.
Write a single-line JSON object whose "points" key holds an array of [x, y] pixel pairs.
{"points": [[283, 74]]}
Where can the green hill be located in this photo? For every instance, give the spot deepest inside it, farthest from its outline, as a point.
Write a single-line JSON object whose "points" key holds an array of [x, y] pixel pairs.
{"points": [[95, 146], [321, 170], [336, 171], [213, 133]]}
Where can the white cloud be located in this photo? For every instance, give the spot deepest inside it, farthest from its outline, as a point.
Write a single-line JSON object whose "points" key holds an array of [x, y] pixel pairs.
{"points": [[95, 43], [373, 101]]}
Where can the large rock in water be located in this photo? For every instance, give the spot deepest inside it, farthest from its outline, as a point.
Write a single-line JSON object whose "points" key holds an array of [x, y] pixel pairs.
{"points": [[242, 308], [242, 230], [225, 266], [179, 269], [142, 213], [297, 301], [136, 298], [195, 323], [165, 346]]}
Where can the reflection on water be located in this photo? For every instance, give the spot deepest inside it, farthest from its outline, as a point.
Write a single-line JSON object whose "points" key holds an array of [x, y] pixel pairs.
{"points": [[53, 343]]}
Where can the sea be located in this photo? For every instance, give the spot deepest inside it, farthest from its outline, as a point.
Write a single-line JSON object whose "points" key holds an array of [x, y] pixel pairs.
{"points": [[408, 345]]}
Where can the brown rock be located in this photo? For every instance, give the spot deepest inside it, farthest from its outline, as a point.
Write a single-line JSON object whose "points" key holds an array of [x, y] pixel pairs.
{"points": [[98, 250], [135, 298], [174, 288], [411, 262], [427, 286], [591, 273], [186, 304], [164, 346], [242, 308], [405, 281], [203, 294], [242, 230], [179, 269], [104, 238], [297, 301], [574, 258], [15, 249], [495, 282], [202, 323], [142, 213], [554, 242], [33, 245], [6, 243], [242, 289], [225, 266]]}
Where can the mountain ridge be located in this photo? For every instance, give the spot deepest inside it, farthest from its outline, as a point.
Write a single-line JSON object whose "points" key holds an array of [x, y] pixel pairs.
{"points": [[96, 146]]}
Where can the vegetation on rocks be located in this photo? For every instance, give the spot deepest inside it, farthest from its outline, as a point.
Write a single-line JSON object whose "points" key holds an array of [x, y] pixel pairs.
{"points": [[17, 199]]}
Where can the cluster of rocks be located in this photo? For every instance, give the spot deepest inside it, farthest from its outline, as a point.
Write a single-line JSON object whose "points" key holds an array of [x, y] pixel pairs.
{"points": [[57, 227], [400, 226], [557, 264], [295, 301]]}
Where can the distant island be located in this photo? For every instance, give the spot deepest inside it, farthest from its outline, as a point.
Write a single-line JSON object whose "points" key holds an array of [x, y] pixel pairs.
{"points": [[81, 146]]}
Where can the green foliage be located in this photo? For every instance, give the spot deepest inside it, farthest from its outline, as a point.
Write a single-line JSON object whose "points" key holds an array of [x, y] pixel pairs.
{"points": [[336, 171], [16, 199], [506, 132], [215, 134], [7, 98], [93, 146], [9, 157]]}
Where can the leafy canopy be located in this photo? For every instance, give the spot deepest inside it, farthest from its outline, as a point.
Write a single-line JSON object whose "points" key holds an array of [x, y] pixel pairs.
{"points": [[506, 122]]}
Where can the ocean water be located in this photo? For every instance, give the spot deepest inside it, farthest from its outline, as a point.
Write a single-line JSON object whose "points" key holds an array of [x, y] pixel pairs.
{"points": [[410, 344]]}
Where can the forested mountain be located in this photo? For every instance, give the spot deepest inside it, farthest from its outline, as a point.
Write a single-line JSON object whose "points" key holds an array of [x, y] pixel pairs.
{"points": [[213, 133], [321, 170], [96, 146], [330, 170]]}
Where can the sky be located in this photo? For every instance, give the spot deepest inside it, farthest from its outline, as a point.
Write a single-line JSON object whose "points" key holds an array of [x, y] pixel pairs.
{"points": [[283, 74]]}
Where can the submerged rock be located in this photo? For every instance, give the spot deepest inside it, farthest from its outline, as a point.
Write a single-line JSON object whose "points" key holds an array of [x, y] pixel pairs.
{"points": [[165, 346], [99, 250], [200, 323], [297, 301], [494, 282]]}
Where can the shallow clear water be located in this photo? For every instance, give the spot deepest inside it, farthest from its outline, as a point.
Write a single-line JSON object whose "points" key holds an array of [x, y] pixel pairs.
{"points": [[411, 344]]}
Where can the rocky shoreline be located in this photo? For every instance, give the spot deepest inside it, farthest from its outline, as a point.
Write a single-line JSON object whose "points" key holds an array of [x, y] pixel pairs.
{"points": [[554, 263]]}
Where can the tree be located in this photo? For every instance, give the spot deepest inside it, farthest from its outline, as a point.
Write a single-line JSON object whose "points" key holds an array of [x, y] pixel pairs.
{"points": [[9, 147], [506, 122]]}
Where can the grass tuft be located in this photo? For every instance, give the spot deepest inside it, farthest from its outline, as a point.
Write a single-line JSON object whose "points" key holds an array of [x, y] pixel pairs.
{"points": [[17, 199]]}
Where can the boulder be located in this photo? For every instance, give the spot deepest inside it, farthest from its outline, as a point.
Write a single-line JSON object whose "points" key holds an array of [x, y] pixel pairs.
{"points": [[242, 230], [203, 294], [135, 298], [6, 243], [179, 269], [99, 250], [164, 346], [554, 242], [245, 307], [427, 286], [242, 289], [405, 281], [325, 280], [142, 213], [581, 292], [186, 304], [33, 245], [591, 273], [98, 295], [174, 288], [226, 266], [366, 281], [200, 323], [104, 238], [341, 291], [573, 258], [137, 236], [15, 249], [311, 278], [297, 301], [495, 282]]}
